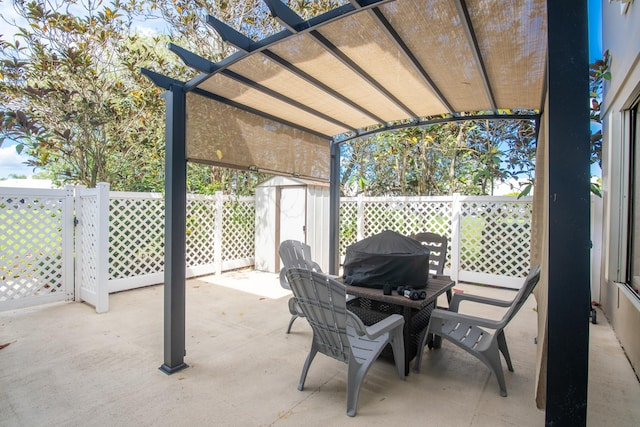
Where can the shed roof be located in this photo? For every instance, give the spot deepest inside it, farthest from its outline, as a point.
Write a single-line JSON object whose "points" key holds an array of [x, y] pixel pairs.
{"points": [[284, 181], [366, 66]]}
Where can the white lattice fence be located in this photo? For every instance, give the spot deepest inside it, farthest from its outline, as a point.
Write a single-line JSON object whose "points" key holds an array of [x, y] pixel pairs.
{"points": [[488, 236], [217, 238], [238, 232], [407, 215], [36, 248], [348, 223], [404, 215], [201, 224], [495, 235], [136, 240]]}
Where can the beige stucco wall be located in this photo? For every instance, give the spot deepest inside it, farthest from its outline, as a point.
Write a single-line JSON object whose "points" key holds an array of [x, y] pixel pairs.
{"points": [[625, 320], [621, 36]]}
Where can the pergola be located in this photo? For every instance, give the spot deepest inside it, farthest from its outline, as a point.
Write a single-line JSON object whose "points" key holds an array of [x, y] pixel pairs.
{"points": [[285, 104]]}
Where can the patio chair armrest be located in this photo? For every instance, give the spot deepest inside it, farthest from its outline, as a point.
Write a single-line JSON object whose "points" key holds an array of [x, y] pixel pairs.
{"points": [[454, 305], [478, 321], [283, 279], [377, 329], [314, 266]]}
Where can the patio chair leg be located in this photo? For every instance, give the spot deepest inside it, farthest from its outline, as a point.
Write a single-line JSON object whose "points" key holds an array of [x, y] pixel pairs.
{"points": [[307, 363], [436, 342], [397, 345], [356, 374], [293, 318], [502, 345], [491, 358]]}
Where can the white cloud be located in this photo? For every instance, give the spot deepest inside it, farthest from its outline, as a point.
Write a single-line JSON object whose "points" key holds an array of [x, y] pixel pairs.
{"points": [[13, 163], [7, 13]]}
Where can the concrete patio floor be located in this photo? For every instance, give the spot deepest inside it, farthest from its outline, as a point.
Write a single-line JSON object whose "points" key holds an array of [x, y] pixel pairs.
{"points": [[67, 365]]}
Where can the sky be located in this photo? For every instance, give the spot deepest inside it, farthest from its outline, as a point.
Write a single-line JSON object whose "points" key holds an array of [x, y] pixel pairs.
{"points": [[11, 163]]}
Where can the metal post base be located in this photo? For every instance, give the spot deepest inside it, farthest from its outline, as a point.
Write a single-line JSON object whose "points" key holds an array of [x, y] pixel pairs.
{"points": [[172, 370]]}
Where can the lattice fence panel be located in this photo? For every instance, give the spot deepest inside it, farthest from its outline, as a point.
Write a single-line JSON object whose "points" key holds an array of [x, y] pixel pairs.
{"points": [[348, 224], [408, 216], [495, 237], [86, 235], [201, 219], [31, 249], [137, 232], [136, 236], [239, 228]]}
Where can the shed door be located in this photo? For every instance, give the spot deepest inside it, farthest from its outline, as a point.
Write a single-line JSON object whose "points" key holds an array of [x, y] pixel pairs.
{"points": [[291, 212]]}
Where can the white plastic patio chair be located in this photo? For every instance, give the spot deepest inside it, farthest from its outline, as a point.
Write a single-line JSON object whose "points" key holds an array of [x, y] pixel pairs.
{"points": [[437, 245], [294, 253], [340, 334], [467, 331]]}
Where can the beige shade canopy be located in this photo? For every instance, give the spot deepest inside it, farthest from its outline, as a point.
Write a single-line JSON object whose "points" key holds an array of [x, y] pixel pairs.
{"points": [[277, 104]]}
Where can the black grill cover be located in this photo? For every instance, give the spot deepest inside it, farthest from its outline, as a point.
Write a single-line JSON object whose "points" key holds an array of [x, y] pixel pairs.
{"points": [[387, 258]]}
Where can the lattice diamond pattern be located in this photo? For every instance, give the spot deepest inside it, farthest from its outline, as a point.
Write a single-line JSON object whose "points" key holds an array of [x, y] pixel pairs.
{"points": [[408, 217], [136, 228], [136, 236], [238, 229], [495, 237], [88, 265], [348, 225], [30, 246], [201, 217]]}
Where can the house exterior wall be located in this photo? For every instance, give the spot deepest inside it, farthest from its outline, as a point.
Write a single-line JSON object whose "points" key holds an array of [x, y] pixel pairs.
{"points": [[621, 36]]}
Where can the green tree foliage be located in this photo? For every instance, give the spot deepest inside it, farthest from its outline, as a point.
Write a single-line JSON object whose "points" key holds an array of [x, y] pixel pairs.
{"points": [[464, 157], [598, 73], [74, 99]]}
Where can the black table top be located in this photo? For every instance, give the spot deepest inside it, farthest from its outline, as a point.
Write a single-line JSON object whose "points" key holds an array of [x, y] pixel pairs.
{"points": [[436, 286]]}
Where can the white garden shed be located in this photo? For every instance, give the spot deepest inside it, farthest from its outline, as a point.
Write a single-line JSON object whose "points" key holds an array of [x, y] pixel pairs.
{"points": [[291, 208]]}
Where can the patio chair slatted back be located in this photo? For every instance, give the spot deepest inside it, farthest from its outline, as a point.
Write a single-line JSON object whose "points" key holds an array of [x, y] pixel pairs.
{"points": [[437, 246], [521, 297], [294, 253], [323, 303]]}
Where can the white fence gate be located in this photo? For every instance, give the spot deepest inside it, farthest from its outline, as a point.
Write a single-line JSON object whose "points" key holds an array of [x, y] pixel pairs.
{"points": [[119, 242], [92, 246], [36, 246]]}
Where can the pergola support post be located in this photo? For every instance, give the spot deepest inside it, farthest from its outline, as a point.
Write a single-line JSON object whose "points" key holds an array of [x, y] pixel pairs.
{"points": [[334, 208], [569, 207], [175, 230]]}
